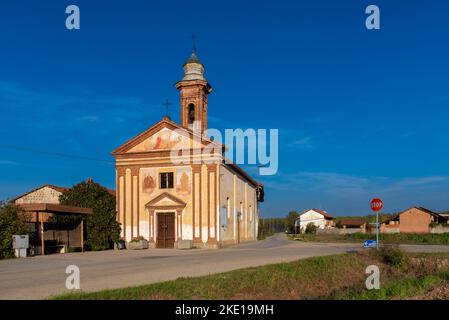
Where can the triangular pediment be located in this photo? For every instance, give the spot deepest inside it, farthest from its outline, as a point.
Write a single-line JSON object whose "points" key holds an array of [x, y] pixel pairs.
{"points": [[165, 200], [164, 135], [164, 139]]}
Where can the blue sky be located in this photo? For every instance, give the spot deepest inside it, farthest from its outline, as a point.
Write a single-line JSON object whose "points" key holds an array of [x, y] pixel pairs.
{"points": [[360, 113]]}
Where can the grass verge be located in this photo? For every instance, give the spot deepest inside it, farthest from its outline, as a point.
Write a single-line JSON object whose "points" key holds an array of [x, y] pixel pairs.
{"points": [[396, 289], [399, 238], [295, 280], [330, 277]]}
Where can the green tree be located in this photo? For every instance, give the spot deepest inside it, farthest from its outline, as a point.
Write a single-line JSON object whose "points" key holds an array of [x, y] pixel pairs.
{"points": [[102, 228], [311, 228], [11, 222], [290, 220]]}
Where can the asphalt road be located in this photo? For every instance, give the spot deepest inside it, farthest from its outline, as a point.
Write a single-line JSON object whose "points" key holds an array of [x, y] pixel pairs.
{"points": [[41, 277]]}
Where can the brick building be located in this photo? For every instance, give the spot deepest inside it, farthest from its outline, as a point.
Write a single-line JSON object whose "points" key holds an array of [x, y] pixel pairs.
{"points": [[415, 220]]}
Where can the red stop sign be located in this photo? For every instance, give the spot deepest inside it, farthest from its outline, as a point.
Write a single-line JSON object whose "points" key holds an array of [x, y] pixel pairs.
{"points": [[376, 204]]}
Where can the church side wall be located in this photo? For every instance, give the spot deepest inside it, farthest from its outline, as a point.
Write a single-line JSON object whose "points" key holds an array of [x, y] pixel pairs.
{"points": [[238, 209]]}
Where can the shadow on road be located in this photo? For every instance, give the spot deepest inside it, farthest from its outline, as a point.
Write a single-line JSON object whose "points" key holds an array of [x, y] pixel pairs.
{"points": [[277, 240], [156, 257]]}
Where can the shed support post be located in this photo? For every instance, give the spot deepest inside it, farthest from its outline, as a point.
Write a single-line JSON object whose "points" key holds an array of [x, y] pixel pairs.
{"points": [[42, 233], [82, 235]]}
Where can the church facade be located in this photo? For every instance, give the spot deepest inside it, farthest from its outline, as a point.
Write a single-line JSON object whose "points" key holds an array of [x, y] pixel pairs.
{"points": [[173, 186]]}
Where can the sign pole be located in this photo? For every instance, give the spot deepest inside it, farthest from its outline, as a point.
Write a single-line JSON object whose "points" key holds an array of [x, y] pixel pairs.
{"points": [[376, 206], [377, 230]]}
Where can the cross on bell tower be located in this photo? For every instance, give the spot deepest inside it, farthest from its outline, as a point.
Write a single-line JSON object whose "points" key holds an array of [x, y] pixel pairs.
{"points": [[193, 90]]}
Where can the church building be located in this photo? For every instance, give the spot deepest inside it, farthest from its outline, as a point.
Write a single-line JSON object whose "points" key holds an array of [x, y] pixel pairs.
{"points": [[184, 199]]}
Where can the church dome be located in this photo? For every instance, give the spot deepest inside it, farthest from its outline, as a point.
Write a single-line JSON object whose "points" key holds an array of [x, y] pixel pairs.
{"points": [[193, 68]]}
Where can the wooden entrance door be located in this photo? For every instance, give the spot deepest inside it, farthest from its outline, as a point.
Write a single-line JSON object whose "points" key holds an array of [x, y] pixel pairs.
{"points": [[165, 230]]}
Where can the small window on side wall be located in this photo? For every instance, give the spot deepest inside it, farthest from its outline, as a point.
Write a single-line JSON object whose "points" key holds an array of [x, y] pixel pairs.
{"points": [[224, 218], [166, 179]]}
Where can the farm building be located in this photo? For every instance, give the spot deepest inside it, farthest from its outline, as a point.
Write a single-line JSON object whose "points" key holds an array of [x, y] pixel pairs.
{"points": [[55, 228], [321, 219], [414, 220], [353, 224]]}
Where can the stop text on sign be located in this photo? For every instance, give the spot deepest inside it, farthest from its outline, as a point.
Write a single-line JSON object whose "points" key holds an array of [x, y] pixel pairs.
{"points": [[376, 204]]}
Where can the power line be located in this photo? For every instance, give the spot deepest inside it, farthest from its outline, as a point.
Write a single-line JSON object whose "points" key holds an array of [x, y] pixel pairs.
{"points": [[58, 154]]}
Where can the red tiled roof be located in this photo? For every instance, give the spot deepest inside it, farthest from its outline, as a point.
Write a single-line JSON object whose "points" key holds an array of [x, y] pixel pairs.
{"points": [[427, 211], [235, 168], [352, 222], [322, 212], [60, 189], [432, 213]]}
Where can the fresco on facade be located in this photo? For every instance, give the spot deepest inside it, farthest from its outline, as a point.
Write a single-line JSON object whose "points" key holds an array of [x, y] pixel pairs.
{"points": [[183, 181], [149, 180], [163, 140]]}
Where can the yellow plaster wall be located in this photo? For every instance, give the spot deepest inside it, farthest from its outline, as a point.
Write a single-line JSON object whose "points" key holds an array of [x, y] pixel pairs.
{"points": [[204, 213], [121, 188], [223, 183], [241, 198], [213, 207], [197, 179], [135, 206], [145, 198], [128, 204]]}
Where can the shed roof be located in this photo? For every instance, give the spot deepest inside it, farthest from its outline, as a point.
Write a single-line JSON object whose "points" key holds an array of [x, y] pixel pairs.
{"points": [[57, 188], [60, 189], [352, 222], [54, 208]]}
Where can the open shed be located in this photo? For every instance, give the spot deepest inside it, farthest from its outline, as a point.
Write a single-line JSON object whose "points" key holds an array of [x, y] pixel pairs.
{"points": [[55, 227]]}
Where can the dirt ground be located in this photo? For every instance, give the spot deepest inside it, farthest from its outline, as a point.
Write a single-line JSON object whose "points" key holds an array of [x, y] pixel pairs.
{"points": [[440, 292]]}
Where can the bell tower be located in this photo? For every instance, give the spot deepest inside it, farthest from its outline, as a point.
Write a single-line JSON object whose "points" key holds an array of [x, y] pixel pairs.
{"points": [[193, 91]]}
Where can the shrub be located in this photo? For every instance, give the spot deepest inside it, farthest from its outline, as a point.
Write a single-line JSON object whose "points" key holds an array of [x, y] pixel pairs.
{"points": [[102, 228], [393, 256], [311, 228], [11, 223], [137, 239], [433, 224]]}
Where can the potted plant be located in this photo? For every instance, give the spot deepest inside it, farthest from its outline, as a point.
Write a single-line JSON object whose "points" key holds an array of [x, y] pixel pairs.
{"points": [[138, 243], [121, 244]]}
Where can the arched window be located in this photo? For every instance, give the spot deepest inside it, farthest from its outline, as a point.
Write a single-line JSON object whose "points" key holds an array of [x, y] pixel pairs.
{"points": [[191, 113]]}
